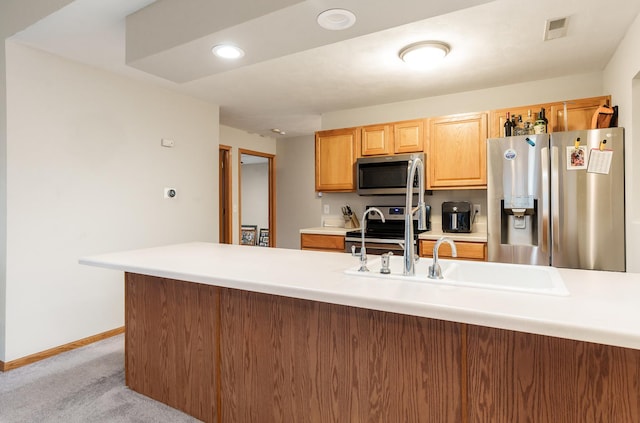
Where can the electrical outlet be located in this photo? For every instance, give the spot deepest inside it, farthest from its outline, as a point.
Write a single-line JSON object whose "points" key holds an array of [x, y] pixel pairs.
{"points": [[326, 209], [476, 209]]}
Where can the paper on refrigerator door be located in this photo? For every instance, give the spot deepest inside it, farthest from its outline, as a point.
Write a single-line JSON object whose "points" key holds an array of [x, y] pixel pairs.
{"points": [[600, 161]]}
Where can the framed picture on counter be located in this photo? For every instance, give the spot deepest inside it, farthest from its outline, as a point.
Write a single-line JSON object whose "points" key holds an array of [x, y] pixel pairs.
{"points": [[248, 234], [263, 238]]}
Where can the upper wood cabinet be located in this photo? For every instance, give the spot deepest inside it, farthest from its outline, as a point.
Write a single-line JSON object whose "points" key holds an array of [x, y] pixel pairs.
{"points": [[377, 140], [408, 137], [579, 114], [393, 138], [336, 153], [457, 156]]}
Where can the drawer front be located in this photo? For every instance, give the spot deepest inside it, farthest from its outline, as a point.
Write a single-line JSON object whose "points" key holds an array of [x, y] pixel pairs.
{"points": [[322, 242], [466, 250]]}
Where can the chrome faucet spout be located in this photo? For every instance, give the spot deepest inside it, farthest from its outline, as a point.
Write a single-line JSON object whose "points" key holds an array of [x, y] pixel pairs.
{"points": [[415, 165], [435, 272], [363, 249]]}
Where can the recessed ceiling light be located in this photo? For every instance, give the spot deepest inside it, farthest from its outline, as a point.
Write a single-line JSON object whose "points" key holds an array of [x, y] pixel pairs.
{"points": [[424, 53], [227, 51], [336, 19]]}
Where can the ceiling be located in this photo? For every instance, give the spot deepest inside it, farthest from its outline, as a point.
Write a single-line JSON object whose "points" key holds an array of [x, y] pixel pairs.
{"points": [[294, 71]]}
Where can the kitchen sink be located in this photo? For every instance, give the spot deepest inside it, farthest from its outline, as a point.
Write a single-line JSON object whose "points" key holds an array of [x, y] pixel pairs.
{"points": [[499, 276]]}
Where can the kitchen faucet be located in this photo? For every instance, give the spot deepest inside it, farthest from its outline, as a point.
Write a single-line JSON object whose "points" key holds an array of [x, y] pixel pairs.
{"points": [[409, 250], [363, 249], [434, 270]]}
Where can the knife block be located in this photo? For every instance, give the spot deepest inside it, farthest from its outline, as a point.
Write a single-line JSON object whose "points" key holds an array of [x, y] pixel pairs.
{"points": [[351, 222]]}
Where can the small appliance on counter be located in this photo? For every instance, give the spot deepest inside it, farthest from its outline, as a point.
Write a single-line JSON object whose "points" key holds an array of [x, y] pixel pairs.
{"points": [[457, 216]]}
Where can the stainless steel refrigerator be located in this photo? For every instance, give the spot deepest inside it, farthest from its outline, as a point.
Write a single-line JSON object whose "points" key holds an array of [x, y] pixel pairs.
{"points": [[557, 199]]}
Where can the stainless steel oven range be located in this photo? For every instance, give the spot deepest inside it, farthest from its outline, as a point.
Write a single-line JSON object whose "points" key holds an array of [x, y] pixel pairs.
{"points": [[382, 237]]}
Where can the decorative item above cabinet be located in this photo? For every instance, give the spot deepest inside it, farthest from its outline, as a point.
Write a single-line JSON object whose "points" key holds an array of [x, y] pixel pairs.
{"points": [[578, 116]]}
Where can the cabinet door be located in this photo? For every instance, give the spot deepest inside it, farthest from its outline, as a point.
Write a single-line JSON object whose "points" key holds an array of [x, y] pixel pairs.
{"points": [[466, 250], [499, 117], [457, 155], [376, 140], [408, 137], [579, 113], [335, 159], [322, 242]]}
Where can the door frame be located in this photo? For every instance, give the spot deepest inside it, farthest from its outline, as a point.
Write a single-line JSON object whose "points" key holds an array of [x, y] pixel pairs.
{"points": [[272, 192], [225, 211]]}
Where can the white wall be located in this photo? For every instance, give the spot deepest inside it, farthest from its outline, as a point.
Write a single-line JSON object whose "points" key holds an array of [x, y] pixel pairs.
{"points": [[238, 139], [3, 201], [549, 90], [13, 18], [622, 80], [255, 195], [298, 204], [85, 175]]}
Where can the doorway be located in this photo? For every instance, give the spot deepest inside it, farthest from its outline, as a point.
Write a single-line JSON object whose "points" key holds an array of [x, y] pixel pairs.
{"points": [[256, 198], [225, 215]]}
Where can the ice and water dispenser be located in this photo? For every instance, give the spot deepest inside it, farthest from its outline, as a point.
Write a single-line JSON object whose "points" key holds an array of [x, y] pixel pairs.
{"points": [[518, 220]]}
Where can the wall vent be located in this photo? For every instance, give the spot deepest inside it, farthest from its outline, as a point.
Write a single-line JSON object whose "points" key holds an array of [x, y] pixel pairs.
{"points": [[555, 28]]}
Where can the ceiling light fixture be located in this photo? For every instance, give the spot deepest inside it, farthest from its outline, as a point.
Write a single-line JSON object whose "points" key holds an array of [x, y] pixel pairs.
{"points": [[278, 131], [336, 19], [424, 53], [227, 51]]}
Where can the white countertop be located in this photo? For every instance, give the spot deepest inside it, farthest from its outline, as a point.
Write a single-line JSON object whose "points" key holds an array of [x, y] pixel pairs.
{"points": [[603, 307], [327, 230]]}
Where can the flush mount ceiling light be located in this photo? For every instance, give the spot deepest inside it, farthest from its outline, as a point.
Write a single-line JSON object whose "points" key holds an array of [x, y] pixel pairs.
{"points": [[424, 53], [227, 51], [336, 19]]}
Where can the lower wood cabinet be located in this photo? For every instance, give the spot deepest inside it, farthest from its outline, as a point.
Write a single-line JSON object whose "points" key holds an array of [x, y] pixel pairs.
{"points": [[322, 242], [465, 250], [233, 356]]}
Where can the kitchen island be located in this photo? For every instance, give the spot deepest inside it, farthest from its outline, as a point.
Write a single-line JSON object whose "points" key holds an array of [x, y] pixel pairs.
{"points": [[238, 334]]}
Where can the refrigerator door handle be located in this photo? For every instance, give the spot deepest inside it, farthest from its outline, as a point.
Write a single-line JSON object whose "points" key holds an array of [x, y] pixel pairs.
{"points": [[555, 200], [544, 161]]}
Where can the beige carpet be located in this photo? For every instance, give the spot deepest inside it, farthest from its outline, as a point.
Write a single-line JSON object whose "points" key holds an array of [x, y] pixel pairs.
{"points": [[84, 385]]}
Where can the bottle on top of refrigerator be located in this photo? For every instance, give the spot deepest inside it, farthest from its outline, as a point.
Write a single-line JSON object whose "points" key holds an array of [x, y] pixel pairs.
{"points": [[540, 127], [508, 126]]}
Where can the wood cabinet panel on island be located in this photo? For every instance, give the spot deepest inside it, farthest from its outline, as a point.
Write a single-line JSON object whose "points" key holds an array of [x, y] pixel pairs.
{"points": [[234, 356], [322, 242], [457, 153], [336, 154], [465, 250]]}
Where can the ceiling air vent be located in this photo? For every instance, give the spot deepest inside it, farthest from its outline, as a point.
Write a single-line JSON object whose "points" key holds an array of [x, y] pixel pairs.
{"points": [[555, 28]]}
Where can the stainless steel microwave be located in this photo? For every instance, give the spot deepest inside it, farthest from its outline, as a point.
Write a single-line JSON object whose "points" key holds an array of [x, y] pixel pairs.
{"points": [[385, 175]]}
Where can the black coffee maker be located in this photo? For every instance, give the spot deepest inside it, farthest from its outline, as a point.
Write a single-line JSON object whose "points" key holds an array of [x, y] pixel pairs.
{"points": [[456, 216]]}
